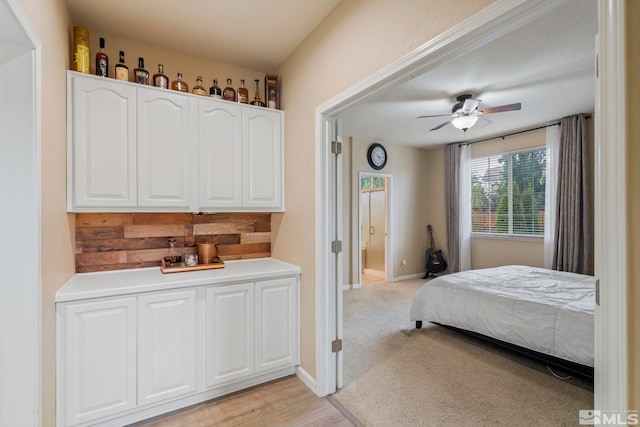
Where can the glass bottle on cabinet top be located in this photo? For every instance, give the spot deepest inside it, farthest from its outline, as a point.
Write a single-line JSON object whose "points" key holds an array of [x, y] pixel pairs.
{"points": [[122, 71], [229, 93], [180, 84], [140, 74], [160, 79], [198, 89], [243, 93], [102, 61], [256, 98], [215, 91]]}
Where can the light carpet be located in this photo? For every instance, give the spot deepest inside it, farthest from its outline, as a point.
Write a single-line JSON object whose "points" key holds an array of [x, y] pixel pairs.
{"points": [[397, 376]]}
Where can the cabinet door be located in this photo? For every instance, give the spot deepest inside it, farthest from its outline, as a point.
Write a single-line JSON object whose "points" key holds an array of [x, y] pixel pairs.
{"points": [[103, 145], [164, 149], [166, 346], [219, 154], [276, 323], [229, 333], [263, 173], [99, 359]]}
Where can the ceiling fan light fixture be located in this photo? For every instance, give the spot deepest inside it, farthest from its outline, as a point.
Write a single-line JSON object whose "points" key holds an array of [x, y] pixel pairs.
{"points": [[464, 122]]}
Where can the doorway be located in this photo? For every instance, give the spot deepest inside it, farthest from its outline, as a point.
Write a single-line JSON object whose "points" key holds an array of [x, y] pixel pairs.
{"points": [[374, 227], [610, 236]]}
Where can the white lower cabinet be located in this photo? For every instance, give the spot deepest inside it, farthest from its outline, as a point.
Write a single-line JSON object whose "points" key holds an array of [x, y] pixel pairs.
{"points": [[98, 359], [229, 333], [276, 323], [166, 346], [124, 359]]}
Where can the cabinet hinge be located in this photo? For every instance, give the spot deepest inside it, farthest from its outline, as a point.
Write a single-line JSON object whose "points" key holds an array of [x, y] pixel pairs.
{"points": [[336, 147], [336, 346], [598, 292], [336, 246]]}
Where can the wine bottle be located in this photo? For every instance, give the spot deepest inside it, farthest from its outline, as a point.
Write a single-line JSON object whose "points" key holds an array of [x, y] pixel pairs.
{"points": [[140, 74], [122, 71], [179, 84], [102, 61], [256, 98], [229, 93], [160, 79], [243, 93], [198, 89], [215, 91]]}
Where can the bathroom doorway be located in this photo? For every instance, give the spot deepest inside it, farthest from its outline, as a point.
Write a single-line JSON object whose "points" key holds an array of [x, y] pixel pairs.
{"points": [[374, 227]]}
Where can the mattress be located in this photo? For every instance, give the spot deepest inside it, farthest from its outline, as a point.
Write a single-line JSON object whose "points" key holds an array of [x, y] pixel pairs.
{"points": [[548, 311]]}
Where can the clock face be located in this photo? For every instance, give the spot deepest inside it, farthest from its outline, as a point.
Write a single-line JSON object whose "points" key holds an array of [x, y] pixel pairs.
{"points": [[377, 156]]}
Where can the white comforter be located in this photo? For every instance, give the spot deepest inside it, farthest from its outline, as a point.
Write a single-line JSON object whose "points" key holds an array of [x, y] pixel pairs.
{"points": [[548, 311]]}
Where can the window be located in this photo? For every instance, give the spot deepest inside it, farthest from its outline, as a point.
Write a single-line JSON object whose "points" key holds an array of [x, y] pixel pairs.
{"points": [[507, 193], [371, 183]]}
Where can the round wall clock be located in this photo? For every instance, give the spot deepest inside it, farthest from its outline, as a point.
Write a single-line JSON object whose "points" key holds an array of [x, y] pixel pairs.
{"points": [[377, 156]]}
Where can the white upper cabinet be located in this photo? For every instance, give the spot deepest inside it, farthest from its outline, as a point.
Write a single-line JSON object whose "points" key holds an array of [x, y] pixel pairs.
{"points": [[262, 130], [164, 149], [102, 149], [139, 148], [219, 154]]}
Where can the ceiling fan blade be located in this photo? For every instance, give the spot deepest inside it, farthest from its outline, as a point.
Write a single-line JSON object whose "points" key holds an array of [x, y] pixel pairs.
{"points": [[470, 104], [482, 122], [440, 125], [500, 109], [437, 115]]}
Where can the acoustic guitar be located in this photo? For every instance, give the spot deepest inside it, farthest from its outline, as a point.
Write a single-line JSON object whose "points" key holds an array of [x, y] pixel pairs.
{"points": [[435, 260]]}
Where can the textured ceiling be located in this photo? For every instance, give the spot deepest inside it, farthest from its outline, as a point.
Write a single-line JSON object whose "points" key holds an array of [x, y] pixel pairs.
{"points": [[258, 35], [547, 65]]}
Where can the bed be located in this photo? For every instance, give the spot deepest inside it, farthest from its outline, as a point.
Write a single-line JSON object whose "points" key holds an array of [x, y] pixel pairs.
{"points": [[546, 314]]}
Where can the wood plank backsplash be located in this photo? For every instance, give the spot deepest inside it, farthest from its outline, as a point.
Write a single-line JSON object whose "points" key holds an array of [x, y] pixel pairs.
{"points": [[118, 241]]}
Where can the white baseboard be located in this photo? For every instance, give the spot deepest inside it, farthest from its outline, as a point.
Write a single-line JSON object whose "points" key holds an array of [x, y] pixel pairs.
{"points": [[408, 277], [307, 379], [353, 286]]}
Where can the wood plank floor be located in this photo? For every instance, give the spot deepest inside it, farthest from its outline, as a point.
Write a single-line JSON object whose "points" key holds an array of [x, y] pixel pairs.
{"points": [[285, 402]]}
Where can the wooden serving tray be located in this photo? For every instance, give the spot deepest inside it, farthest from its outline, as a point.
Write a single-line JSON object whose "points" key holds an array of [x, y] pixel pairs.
{"points": [[168, 268]]}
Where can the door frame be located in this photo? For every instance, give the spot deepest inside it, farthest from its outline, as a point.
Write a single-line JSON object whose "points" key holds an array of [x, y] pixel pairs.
{"points": [[490, 23], [388, 224], [21, 370]]}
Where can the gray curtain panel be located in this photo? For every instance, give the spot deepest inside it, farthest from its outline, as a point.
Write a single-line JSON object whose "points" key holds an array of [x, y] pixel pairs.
{"points": [[574, 225], [452, 207]]}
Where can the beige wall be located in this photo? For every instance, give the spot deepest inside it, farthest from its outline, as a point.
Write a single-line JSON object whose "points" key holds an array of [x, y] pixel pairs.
{"points": [[633, 200], [407, 166], [358, 38]]}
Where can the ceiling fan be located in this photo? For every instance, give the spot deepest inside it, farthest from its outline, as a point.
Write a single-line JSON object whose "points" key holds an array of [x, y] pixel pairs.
{"points": [[465, 113]]}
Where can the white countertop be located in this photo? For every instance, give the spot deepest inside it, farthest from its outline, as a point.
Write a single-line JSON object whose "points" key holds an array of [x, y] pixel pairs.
{"points": [[122, 282]]}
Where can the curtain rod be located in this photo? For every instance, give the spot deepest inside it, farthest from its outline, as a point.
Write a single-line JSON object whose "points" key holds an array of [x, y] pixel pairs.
{"points": [[588, 116], [508, 134]]}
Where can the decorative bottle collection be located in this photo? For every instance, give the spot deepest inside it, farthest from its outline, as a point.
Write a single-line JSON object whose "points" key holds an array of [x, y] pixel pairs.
{"points": [[80, 63]]}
